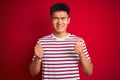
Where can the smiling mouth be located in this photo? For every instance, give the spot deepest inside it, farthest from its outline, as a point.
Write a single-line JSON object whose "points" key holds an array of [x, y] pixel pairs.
{"points": [[59, 27]]}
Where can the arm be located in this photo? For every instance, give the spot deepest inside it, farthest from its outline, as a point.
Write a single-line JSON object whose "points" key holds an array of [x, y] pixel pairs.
{"points": [[87, 65], [35, 65]]}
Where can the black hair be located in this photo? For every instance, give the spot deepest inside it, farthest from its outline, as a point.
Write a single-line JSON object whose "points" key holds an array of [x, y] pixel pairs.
{"points": [[60, 7]]}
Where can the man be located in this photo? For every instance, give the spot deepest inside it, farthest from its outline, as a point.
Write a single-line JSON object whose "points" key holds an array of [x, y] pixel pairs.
{"points": [[60, 52]]}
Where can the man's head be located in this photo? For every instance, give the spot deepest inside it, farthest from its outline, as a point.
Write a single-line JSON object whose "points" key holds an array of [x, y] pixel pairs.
{"points": [[60, 7], [60, 17]]}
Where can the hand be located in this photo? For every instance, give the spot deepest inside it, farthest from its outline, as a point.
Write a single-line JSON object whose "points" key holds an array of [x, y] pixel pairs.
{"points": [[78, 47], [38, 51]]}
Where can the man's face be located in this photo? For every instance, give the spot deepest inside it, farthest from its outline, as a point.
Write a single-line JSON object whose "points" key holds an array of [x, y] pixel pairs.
{"points": [[60, 21]]}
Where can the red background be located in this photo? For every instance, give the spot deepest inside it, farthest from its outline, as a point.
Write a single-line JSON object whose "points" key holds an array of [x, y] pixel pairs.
{"points": [[22, 22]]}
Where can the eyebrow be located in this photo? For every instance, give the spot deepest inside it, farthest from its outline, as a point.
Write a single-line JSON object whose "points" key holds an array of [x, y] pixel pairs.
{"points": [[60, 17]]}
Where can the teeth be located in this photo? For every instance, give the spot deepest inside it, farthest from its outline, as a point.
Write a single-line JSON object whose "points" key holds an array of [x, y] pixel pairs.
{"points": [[59, 27]]}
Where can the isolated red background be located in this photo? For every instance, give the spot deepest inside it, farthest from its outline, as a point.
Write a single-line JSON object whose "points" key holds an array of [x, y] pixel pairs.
{"points": [[22, 22]]}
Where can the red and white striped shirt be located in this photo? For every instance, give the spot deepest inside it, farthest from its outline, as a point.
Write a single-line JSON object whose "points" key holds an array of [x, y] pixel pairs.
{"points": [[60, 62]]}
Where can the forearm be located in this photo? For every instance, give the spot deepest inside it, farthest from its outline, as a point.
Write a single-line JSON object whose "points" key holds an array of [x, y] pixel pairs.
{"points": [[35, 67], [87, 66]]}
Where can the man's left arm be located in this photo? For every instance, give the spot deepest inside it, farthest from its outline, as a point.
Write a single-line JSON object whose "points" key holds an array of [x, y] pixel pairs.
{"points": [[87, 65]]}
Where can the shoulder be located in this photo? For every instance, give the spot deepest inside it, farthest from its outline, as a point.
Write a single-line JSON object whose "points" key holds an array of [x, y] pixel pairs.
{"points": [[77, 38], [48, 37]]}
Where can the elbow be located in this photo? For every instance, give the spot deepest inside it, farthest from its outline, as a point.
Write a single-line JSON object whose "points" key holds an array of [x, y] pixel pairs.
{"points": [[33, 72], [88, 71]]}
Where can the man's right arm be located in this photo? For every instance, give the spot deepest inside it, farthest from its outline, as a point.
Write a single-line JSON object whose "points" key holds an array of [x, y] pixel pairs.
{"points": [[35, 65]]}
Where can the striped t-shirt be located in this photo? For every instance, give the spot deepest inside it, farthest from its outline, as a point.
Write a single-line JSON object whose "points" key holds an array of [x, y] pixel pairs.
{"points": [[59, 61]]}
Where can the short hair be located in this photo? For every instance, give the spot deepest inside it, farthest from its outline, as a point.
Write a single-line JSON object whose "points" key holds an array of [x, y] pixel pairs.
{"points": [[60, 7]]}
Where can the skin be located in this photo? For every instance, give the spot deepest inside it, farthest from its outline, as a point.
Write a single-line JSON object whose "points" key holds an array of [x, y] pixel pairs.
{"points": [[60, 21]]}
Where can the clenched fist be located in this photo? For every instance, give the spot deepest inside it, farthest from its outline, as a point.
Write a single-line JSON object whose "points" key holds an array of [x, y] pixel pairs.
{"points": [[78, 47], [38, 51]]}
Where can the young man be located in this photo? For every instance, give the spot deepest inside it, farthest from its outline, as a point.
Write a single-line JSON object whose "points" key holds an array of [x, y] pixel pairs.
{"points": [[60, 52]]}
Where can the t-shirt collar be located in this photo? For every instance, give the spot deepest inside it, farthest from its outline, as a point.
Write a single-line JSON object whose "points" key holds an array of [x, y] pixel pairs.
{"points": [[60, 38]]}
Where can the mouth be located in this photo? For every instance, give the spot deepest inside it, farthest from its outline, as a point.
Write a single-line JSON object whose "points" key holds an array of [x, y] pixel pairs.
{"points": [[59, 27]]}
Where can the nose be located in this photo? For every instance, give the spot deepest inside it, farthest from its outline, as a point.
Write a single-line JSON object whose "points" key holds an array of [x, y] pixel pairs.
{"points": [[59, 21]]}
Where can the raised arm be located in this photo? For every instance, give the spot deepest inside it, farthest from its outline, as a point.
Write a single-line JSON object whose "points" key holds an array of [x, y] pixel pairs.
{"points": [[87, 65], [35, 65]]}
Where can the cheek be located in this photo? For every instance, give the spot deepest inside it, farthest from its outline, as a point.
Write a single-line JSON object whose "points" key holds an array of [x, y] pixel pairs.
{"points": [[66, 23], [54, 25], [54, 22]]}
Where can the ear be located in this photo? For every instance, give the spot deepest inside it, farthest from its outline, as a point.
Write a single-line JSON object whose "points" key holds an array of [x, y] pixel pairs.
{"points": [[68, 20]]}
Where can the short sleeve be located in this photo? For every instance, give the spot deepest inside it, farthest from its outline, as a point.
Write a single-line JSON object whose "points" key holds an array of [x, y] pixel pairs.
{"points": [[85, 51]]}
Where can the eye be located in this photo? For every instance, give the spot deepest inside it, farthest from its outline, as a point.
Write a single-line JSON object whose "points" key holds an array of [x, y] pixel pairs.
{"points": [[63, 18], [54, 18]]}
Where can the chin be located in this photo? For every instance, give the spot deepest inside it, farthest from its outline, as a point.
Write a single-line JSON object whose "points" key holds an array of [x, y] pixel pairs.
{"points": [[59, 31]]}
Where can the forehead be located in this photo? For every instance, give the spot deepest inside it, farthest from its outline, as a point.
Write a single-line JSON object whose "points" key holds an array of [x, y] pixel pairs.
{"points": [[59, 14]]}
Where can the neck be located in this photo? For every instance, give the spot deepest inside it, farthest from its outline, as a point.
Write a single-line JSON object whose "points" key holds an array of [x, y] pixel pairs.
{"points": [[60, 35]]}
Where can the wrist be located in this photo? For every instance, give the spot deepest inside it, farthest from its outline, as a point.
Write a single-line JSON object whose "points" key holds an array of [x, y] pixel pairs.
{"points": [[81, 54], [36, 58]]}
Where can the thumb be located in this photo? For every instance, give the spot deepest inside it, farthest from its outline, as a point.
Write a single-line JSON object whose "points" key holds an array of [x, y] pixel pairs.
{"points": [[77, 42]]}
